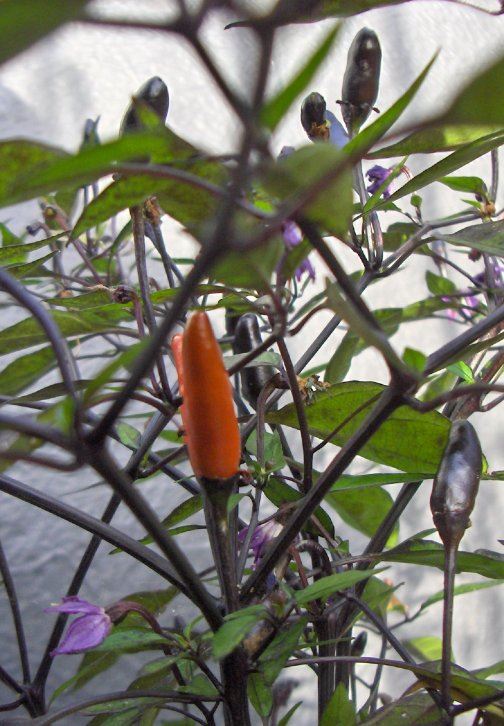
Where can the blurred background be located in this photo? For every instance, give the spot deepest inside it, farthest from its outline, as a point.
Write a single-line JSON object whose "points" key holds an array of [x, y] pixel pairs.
{"points": [[81, 72]]}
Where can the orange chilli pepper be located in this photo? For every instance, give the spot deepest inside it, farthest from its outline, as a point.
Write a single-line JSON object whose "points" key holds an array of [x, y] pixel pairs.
{"points": [[176, 346], [208, 414]]}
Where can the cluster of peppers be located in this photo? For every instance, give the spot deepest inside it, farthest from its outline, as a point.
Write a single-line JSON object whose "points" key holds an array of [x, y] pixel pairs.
{"points": [[211, 430]]}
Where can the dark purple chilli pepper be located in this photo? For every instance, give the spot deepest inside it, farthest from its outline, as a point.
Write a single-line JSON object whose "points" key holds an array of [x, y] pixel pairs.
{"points": [[313, 118], [247, 336], [452, 501], [456, 483], [361, 79], [154, 94]]}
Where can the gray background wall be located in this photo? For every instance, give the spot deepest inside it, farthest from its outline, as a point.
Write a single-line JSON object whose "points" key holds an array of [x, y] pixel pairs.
{"points": [[80, 72]]}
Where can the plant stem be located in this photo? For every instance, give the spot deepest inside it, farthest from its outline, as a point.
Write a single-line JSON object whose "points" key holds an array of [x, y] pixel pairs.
{"points": [[16, 614], [449, 582]]}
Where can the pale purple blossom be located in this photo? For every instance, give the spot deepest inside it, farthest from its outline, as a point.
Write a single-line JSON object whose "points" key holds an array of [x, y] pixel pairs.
{"points": [[377, 175], [291, 233], [86, 631], [263, 534], [292, 236]]}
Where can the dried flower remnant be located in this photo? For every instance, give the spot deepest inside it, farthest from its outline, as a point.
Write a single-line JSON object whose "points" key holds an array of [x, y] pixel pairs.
{"points": [[86, 631]]}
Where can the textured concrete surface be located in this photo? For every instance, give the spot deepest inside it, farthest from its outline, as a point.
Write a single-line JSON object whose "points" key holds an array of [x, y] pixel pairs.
{"points": [[48, 92]]}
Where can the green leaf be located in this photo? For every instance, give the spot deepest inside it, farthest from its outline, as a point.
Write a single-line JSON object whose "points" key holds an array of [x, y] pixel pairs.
{"points": [[482, 99], [461, 370], [425, 648], [273, 453], [28, 269], [439, 285], [408, 440], [252, 268], [280, 649], [340, 363], [348, 482], [460, 590], [234, 631], [433, 140], [26, 370], [290, 713], [28, 332], [363, 512], [128, 435], [431, 554], [304, 174], [13, 254], [470, 184], [327, 586], [487, 237], [18, 155], [184, 510], [188, 204], [123, 706], [124, 360], [414, 359], [454, 161], [280, 492], [275, 109], [360, 326], [418, 709], [131, 640], [24, 22], [259, 693], [59, 169], [94, 299], [201, 685], [493, 670], [340, 711], [269, 358], [91, 665]]}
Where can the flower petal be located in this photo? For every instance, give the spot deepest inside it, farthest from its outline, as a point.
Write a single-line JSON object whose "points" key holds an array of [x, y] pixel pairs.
{"points": [[73, 605], [84, 633]]}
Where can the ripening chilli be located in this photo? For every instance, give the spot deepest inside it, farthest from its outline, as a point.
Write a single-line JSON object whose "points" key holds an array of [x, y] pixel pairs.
{"points": [[208, 415]]}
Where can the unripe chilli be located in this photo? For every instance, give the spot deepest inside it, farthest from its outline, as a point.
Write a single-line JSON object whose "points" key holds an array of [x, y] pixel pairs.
{"points": [[456, 483], [208, 414], [361, 79]]}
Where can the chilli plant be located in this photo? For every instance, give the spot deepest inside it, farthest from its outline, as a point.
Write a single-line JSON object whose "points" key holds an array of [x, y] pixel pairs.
{"points": [[264, 446]]}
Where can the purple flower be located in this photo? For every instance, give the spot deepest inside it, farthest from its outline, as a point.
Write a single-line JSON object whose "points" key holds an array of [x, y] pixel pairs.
{"points": [[85, 632], [377, 175], [291, 233], [292, 237], [305, 266], [263, 534]]}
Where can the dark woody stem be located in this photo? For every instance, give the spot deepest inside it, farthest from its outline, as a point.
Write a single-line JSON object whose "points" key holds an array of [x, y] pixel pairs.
{"points": [[143, 279], [449, 583], [101, 461], [153, 428], [216, 495], [10, 590]]}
